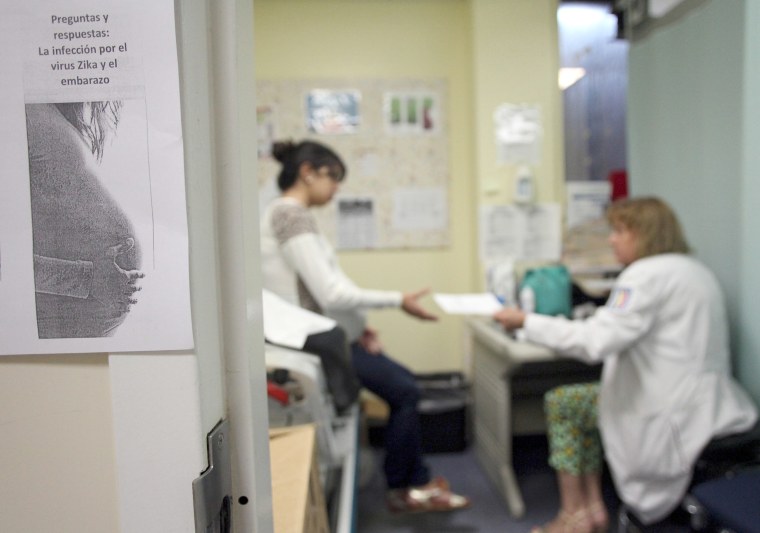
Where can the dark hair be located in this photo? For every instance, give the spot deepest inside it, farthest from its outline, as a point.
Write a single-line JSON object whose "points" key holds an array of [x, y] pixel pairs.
{"points": [[93, 120], [654, 223], [292, 156]]}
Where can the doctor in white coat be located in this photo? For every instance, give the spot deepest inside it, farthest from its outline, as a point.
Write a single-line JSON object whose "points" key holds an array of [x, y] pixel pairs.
{"points": [[666, 388]]}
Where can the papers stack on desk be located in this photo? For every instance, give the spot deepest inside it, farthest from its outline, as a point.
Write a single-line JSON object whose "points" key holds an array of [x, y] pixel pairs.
{"points": [[587, 254]]}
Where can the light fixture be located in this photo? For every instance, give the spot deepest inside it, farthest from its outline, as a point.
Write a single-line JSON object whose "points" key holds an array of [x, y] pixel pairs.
{"points": [[660, 8], [569, 75]]}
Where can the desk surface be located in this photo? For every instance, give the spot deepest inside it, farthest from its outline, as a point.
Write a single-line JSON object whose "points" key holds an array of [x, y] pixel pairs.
{"points": [[494, 336], [297, 500]]}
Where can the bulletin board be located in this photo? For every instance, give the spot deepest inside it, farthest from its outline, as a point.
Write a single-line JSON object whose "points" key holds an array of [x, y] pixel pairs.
{"points": [[393, 137]]}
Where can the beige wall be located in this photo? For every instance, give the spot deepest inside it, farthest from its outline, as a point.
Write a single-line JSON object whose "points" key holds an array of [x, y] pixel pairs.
{"points": [[89, 447], [490, 51], [57, 445], [515, 60]]}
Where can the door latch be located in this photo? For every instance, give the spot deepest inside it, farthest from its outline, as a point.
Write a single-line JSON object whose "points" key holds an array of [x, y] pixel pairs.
{"points": [[212, 491]]}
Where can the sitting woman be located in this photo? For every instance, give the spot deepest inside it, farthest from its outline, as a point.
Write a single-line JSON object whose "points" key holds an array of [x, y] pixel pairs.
{"points": [[299, 265], [666, 387]]}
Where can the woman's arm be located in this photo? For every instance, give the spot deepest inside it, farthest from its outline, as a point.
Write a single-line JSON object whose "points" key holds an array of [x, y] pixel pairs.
{"points": [[591, 340], [627, 316], [314, 261], [102, 279], [325, 280], [62, 277]]}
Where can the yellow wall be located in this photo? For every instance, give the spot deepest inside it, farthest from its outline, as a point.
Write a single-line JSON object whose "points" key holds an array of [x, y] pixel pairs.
{"points": [[490, 51], [515, 60]]}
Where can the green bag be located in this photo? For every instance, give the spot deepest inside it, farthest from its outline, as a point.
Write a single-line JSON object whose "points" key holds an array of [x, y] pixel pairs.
{"points": [[552, 289]]}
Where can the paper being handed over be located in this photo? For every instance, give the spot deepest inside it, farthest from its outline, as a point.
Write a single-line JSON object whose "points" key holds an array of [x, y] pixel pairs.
{"points": [[468, 304]]}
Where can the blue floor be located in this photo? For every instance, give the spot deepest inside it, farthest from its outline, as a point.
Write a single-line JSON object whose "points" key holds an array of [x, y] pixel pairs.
{"points": [[488, 512]]}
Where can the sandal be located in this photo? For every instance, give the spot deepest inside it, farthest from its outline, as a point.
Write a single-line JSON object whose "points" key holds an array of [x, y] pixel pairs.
{"points": [[599, 517], [566, 522], [435, 496]]}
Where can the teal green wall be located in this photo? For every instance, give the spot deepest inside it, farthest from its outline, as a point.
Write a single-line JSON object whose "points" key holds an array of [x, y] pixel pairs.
{"points": [[748, 365], [691, 89]]}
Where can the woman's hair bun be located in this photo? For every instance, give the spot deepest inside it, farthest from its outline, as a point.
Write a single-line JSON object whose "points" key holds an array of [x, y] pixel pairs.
{"points": [[281, 150]]}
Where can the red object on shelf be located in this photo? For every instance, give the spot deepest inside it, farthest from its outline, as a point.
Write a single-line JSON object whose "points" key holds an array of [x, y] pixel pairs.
{"points": [[277, 393], [618, 184]]}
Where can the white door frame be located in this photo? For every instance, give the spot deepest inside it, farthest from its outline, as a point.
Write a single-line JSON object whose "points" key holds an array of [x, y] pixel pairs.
{"points": [[165, 404]]}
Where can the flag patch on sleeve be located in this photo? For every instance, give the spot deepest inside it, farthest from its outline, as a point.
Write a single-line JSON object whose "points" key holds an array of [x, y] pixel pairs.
{"points": [[619, 299]]}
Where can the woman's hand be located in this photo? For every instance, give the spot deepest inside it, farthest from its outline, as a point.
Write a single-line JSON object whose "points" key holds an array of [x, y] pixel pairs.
{"points": [[411, 305], [370, 341], [112, 285], [510, 317]]}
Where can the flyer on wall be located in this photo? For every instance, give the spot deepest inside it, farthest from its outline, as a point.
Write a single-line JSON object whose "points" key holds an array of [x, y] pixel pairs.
{"points": [[93, 221]]}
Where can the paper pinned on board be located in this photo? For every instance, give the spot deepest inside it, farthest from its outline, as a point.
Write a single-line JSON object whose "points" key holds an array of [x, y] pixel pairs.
{"points": [[520, 232]]}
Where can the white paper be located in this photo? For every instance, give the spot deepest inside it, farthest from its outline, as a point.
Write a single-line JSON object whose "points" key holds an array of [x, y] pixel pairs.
{"points": [[468, 304], [289, 325], [357, 227], [266, 128], [73, 216], [520, 232], [517, 132], [586, 200], [420, 208]]}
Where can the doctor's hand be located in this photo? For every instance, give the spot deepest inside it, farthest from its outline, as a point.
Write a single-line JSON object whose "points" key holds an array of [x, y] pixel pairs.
{"points": [[510, 317], [411, 305]]}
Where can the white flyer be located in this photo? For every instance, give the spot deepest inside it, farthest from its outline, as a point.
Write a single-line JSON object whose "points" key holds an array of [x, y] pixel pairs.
{"points": [[93, 222]]}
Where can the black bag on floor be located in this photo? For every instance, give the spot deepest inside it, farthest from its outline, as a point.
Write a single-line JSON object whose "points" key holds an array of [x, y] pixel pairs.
{"points": [[444, 411]]}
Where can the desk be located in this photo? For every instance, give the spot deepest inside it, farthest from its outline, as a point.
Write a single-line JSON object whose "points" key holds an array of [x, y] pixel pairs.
{"points": [[336, 444], [509, 379]]}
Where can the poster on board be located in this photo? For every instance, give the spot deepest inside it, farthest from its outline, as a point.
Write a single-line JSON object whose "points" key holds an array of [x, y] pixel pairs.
{"points": [[93, 222]]}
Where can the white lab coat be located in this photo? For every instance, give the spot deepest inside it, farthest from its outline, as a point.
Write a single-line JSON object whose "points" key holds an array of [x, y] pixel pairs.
{"points": [[666, 389]]}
